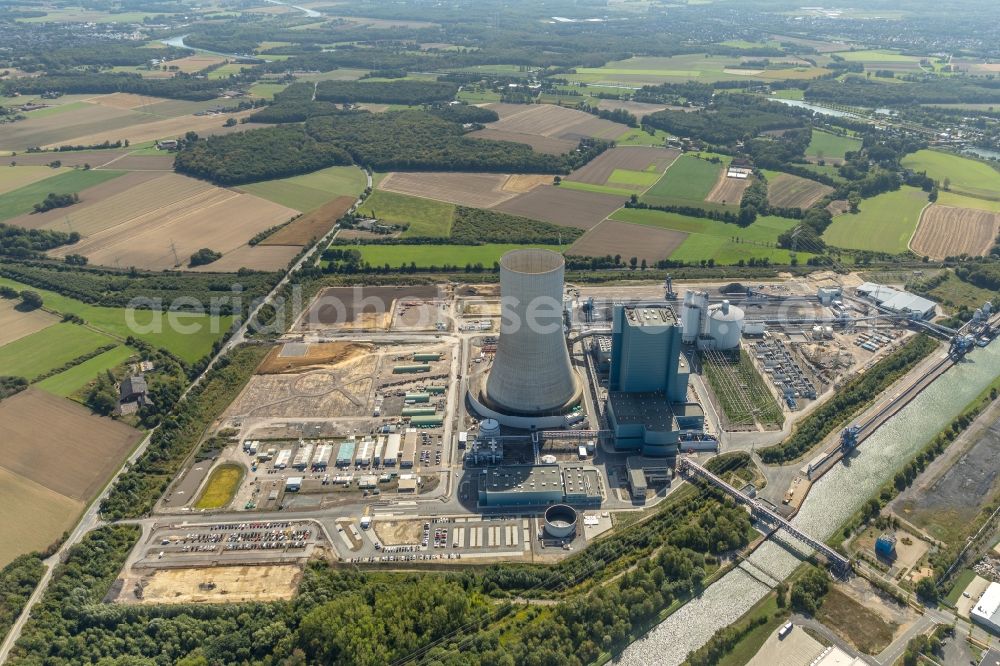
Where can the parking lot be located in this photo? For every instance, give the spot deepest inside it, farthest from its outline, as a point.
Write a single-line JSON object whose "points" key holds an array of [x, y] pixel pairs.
{"points": [[187, 545]]}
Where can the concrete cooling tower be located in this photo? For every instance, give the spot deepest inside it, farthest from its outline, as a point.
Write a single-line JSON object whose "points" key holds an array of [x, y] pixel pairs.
{"points": [[531, 373]]}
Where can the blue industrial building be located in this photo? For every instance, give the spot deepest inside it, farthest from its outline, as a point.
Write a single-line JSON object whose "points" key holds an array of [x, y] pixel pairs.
{"points": [[647, 399]]}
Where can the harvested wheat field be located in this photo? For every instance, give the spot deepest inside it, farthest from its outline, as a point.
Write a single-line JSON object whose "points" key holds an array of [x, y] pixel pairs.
{"points": [[478, 190], [629, 240], [788, 191], [76, 158], [128, 101], [638, 109], [73, 455], [229, 585], [158, 128], [728, 190], [629, 158], [291, 357], [194, 63], [521, 183], [79, 119], [14, 177], [312, 225], [571, 208], [946, 231], [94, 209], [34, 516], [540, 144], [16, 324], [556, 121], [256, 257], [164, 237]]}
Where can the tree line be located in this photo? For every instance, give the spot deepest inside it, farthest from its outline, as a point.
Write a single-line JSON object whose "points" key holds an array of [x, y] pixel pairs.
{"points": [[409, 92]]}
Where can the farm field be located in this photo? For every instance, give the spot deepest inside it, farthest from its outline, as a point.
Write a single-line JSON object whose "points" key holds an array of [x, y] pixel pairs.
{"points": [[153, 327], [73, 454], [35, 516], [611, 237], [564, 207], [77, 158], [885, 222], [638, 109], [12, 178], [155, 127], [787, 191], [477, 190], [728, 191], [830, 147], [310, 191], [617, 164], [258, 257], [425, 256], [967, 176], [687, 182], [314, 224], [425, 217], [49, 348], [652, 70], [145, 218], [961, 201], [547, 128], [75, 121], [16, 324], [946, 231], [194, 63], [20, 201], [721, 242], [69, 382]]}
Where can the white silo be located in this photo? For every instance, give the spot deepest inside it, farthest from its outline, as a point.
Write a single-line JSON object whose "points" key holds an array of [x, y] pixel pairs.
{"points": [[725, 325], [691, 315], [531, 373]]}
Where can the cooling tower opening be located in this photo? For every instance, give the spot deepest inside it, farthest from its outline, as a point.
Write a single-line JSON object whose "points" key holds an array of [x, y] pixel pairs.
{"points": [[532, 261]]}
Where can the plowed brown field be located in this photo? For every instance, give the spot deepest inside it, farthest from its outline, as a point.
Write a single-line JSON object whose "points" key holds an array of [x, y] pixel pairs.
{"points": [[479, 190], [946, 231], [728, 190], [315, 224], [571, 208], [628, 240]]}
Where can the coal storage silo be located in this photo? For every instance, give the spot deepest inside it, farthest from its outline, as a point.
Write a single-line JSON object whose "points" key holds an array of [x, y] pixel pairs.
{"points": [[531, 373]]}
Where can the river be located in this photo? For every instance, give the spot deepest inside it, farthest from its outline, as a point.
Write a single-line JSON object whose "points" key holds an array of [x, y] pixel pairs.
{"points": [[815, 108], [833, 499]]}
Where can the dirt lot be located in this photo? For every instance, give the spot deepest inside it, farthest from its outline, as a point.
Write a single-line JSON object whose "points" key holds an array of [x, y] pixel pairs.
{"points": [[399, 532], [232, 584], [316, 354], [728, 190], [571, 208], [788, 191], [540, 144], [478, 190], [343, 390], [258, 257], [16, 324], [949, 495], [633, 158], [946, 231], [34, 516], [311, 225], [628, 240], [342, 305], [73, 455]]}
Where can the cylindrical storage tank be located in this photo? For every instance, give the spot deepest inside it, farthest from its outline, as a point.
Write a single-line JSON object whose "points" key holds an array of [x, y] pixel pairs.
{"points": [[689, 318], [489, 428], [531, 373], [725, 325], [560, 521]]}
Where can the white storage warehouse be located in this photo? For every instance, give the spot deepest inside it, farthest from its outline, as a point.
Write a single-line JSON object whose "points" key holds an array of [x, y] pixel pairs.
{"points": [[987, 610]]}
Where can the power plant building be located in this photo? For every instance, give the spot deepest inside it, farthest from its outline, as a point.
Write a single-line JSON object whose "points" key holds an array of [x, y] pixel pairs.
{"points": [[532, 382], [647, 404], [539, 485]]}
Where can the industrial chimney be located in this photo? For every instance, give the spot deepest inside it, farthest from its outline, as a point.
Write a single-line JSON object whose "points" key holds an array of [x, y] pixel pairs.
{"points": [[531, 373]]}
